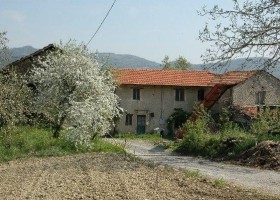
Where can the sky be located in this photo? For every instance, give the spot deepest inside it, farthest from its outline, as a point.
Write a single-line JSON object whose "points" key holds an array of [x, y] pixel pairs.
{"points": [[149, 29]]}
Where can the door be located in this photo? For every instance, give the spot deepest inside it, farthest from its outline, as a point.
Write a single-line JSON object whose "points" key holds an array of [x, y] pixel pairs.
{"points": [[141, 124]]}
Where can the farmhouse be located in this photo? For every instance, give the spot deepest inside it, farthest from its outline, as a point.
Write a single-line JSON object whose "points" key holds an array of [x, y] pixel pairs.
{"points": [[149, 97]]}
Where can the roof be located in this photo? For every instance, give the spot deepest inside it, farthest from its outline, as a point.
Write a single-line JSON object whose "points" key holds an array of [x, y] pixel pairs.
{"points": [[36, 53], [164, 77], [234, 77], [179, 77], [24, 64]]}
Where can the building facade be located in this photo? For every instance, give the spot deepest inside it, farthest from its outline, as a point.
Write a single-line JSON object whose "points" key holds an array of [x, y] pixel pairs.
{"points": [[149, 97]]}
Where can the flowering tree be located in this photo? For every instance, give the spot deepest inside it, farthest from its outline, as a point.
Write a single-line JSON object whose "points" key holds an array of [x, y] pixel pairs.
{"points": [[13, 92], [14, 100], [73, 91], [3, 49]]}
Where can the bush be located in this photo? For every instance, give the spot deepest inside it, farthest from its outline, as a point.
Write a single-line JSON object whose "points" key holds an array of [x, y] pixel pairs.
{"points": [[196, 136], [267, 120], [176, 119], [230, 140]]}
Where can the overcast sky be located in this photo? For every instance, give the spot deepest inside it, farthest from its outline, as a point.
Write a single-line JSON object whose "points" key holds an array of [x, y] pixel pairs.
{"points": [[147, 28]]}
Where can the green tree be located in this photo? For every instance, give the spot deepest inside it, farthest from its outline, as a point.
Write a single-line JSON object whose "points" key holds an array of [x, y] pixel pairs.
{"points": [[250, 28], [180, 63], [166, 64]]}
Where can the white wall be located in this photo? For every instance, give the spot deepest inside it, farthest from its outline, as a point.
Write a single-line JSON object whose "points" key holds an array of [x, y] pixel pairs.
{"points": [[159, 100]]}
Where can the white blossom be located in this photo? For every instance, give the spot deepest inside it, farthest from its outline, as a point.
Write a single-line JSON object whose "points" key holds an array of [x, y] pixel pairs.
{"points": [[74, 92]]}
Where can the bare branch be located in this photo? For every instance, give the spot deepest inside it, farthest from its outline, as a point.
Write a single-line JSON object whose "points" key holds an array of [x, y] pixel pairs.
{"points": [[253, 30]]}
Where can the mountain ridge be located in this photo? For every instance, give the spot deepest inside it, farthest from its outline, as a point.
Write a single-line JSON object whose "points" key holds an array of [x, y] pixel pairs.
{"points": [[131, 61]]}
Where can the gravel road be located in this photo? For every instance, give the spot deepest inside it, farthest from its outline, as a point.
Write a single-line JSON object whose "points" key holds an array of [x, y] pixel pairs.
{"points": [[263, 180]]}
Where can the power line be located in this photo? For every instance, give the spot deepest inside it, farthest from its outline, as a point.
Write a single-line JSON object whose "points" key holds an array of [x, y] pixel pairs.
{"points": [[101, 22]]}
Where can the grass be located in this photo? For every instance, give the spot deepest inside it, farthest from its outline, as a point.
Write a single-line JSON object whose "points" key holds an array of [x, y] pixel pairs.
{"points": [[156, 139], [150, 137], [103, 146], [31, 141], [220, 183], [192, 173]]}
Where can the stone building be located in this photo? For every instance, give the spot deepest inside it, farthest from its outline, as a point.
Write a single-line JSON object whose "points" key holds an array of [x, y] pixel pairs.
{"points": [[149, 97]]}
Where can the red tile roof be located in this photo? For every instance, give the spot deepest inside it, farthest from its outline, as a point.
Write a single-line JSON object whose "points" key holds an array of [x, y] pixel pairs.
{"points": [[164, 77], [234, 77], [178, 77]]}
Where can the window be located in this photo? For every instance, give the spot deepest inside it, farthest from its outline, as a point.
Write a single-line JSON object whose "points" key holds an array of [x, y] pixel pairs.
{"points": [[136, 93], [128, 119], [179, 94], [200, 94], [260, 97]]}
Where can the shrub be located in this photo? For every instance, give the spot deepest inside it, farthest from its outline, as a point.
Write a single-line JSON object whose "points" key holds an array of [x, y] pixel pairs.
{"points": [[267, 119], [176, 119], [196, 135], [230, 140]]}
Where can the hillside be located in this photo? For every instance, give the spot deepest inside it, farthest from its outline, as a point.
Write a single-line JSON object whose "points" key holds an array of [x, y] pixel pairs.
{"points": [[240, 64], [17, 53], [131, 61], [126, 61], [109, 59]]}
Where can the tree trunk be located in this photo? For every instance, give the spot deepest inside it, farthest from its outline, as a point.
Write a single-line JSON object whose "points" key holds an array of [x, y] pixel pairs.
{"points": [[56, 133], [57, 126]]}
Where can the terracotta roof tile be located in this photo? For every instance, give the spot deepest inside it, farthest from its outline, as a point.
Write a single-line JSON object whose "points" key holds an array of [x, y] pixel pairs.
{"points": [[164, 77], [234, 77], [179, 77]]}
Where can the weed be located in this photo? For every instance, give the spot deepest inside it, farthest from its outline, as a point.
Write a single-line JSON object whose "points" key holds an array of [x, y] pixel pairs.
{"points": [[220, 183], [192, 173]]}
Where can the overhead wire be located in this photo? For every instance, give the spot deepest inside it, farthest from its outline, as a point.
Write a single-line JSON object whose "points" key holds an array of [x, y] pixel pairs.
{"points": [[101, 22]]}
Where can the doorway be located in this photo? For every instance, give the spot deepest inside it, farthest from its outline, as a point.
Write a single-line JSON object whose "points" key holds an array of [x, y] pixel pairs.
{"points": [[141, 124]]}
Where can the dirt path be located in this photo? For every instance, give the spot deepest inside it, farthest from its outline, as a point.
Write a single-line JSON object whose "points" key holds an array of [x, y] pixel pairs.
{"points": [[263, 180]]}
